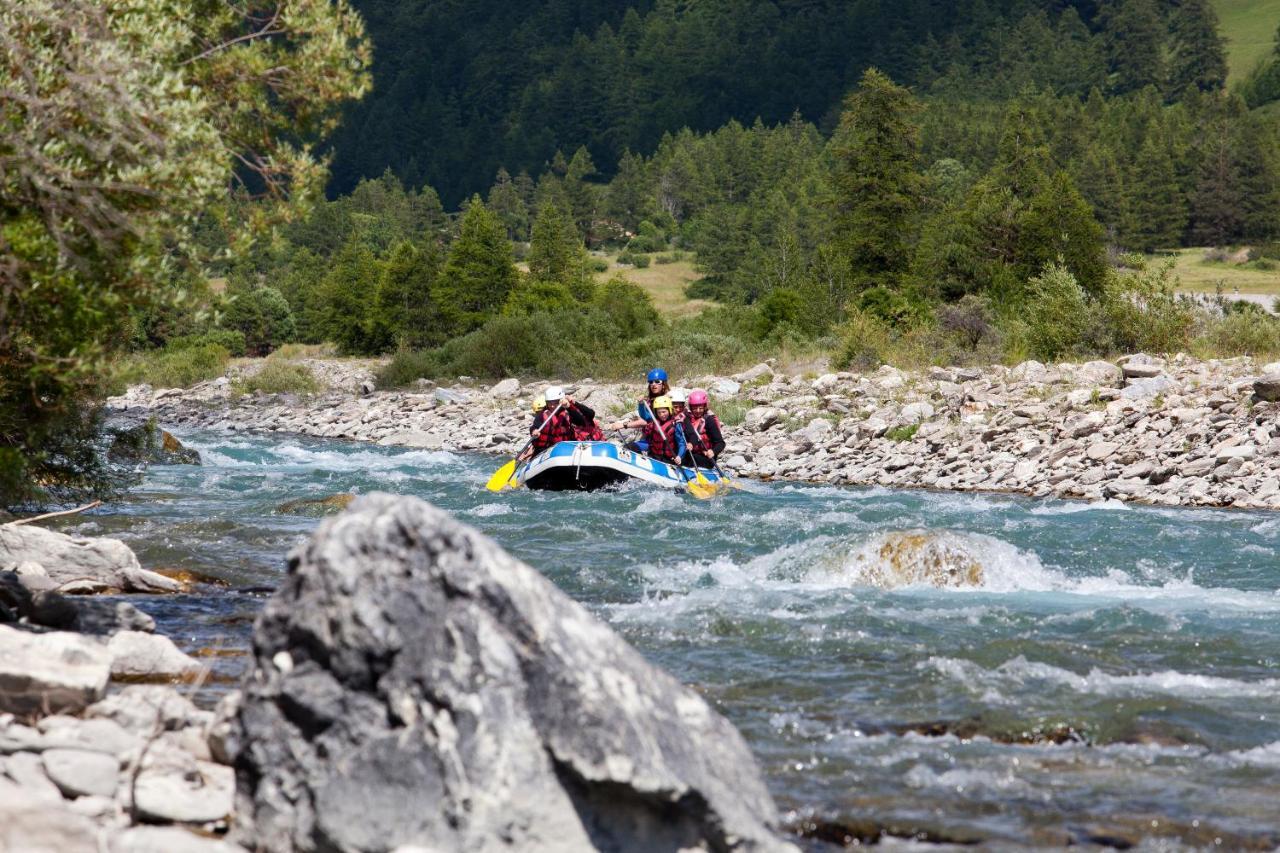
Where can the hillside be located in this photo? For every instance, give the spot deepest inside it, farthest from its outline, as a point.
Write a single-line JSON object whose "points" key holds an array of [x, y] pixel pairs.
{"points": [[1249, 27]]}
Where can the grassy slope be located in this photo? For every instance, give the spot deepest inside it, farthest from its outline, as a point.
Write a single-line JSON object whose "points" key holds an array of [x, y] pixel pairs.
{"points": [[665, 284], [1198, 275], [1249, 26]]}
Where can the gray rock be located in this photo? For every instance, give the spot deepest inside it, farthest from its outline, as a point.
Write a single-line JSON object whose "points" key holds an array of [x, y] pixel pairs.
{"points": [[57, 671], [506, 389], [1140, 389], [80, 772], [1267, 387], [447, 395], [147, 444], [407, 659], [1100, 373], [1086, 424], [413, 438], [1141, 366], [31, 826], [107, 562], [26, 769], [368, 387], [135, 655], [141, 709], [168, 839], [761, 418], [725, 388], [754, 374], [914, 413], [173, 787]]}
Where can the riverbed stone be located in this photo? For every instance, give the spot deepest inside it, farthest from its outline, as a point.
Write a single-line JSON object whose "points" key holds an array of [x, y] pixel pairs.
{"points": [[1267, 387], [29, 825], [407, 658], [136, 655], [1100, 373], [1141, 389], [173, 787], [168, 839], [55, 671], [144, 709], [506, 389], [81, 772]]}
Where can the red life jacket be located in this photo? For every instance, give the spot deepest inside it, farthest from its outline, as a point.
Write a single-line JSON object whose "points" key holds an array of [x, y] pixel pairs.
{"points": [[558, 429], [699, 428], [588, 433], [662, 439]]}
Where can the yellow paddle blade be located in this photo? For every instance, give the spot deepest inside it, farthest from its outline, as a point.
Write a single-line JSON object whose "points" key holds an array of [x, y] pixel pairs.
{"points": [[700, 477], [700, 491], [501, 477]]}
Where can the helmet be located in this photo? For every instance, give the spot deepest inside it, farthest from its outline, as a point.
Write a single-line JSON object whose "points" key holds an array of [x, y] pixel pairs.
{"points": [[553, 393], [539, 404], [697, 397], [657, 375], [663, 402], [678, 395]]}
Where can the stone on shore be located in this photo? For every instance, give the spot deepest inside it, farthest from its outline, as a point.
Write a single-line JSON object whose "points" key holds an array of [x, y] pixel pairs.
{"points": [[168, 839], [136, 656], [407, 659], [82, 772], [1267, 387], [29, 825], [45, 673], [506, 389], [103, 563]]}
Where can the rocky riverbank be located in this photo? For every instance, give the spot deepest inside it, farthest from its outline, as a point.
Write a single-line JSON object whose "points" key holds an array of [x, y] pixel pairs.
{"points": [[90, 759], [1176, 431]]}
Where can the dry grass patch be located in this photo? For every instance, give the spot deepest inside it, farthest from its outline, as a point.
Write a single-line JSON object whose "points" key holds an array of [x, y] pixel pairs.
{"points": [[665, 284]]}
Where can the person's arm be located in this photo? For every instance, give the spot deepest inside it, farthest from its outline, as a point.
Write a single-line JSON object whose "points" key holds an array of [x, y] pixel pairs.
{"points": [[538, 420], [642, 409], [714, 436], [636, 423], [681, 446], [584, 411]]}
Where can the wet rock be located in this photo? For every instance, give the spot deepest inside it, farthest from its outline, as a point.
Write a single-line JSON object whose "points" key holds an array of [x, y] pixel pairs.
{"points": [[147, 444], [105, 563], [136, 656], [310, 506], [81, 772], [407, 658], [905, 558], [57, 671]]}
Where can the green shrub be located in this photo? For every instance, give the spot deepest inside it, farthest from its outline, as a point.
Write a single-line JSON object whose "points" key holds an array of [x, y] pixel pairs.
{"points": [[1239, 333], [279, 377], [175, 368], [532, 297], [1143, 313], [263, 316], [641, 261], [649, 239], [598, 265], [903, 433], [732, 412], [229, 339], [1057, 313]]}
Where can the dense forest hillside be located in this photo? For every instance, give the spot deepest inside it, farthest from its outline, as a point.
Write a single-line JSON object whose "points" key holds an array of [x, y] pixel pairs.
{"points": [[462, 89]]}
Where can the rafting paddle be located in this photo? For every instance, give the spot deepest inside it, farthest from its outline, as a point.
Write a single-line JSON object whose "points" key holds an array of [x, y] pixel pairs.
{"points": [[502, 477], [700, 490]]}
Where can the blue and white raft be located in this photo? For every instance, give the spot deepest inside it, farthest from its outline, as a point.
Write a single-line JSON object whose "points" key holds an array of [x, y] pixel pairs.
{"points": [[590, 465]]}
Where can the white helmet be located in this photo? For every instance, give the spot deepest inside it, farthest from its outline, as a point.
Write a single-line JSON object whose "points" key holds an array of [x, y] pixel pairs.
{"points": [[678, 395], [553, 393]]}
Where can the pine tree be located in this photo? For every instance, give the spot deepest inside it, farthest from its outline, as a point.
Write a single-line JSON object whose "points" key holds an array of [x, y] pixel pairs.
{"points": [[1135, 38], [479, 273], [877, 188], [556, 253], [629, 198], [1217, 204], [1198, 52], [406, 308], [505, 201], [1159, 208], [580, 194], [342, 312]]}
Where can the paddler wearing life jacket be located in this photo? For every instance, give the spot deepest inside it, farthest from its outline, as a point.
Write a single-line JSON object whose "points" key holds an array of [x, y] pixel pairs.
{"points": [[702, 431], [561, 419], [679, 404], [662, 438], [657, 379]]}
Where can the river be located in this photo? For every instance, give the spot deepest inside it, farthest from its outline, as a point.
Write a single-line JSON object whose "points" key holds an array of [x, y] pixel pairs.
{"points": [[1116, 673]]}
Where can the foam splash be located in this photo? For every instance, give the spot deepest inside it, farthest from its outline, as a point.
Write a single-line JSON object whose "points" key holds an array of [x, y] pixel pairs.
{"points": [[1019, 672], [256, 455]]}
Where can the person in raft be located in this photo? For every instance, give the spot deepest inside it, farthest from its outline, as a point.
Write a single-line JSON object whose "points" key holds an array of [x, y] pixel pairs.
{"points": [[561, 419], [663, 439], [657, 379], [679, 404], [702, 431]]}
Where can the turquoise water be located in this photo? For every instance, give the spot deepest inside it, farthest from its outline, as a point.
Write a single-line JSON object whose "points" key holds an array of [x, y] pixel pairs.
{"points": [[1146, 640]]}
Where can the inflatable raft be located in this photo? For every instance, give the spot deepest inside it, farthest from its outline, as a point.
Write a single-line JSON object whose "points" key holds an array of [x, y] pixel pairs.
{"points": [[595, 464]]}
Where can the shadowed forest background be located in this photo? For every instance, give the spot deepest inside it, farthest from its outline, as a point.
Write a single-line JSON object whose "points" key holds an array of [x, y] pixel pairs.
{"points": [[580, 188]]}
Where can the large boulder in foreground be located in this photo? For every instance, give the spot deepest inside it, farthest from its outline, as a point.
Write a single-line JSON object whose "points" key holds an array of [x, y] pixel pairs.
{"points": [[77, 564], [415, 685]]}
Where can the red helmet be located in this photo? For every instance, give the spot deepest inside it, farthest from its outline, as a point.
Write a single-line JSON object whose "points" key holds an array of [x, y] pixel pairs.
{"points": [[697, 397]]}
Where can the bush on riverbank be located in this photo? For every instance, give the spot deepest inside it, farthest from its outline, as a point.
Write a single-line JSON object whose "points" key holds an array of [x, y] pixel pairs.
{"points": [[279, 377], [178, 366]]}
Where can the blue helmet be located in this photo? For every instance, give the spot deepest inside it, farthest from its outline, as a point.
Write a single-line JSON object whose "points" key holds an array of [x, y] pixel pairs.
{"points": [[657, 375]]}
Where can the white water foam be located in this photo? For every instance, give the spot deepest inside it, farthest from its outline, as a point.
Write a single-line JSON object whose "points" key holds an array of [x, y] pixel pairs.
{"points": [[292, 455], [1073, 507], [1019, 672]]}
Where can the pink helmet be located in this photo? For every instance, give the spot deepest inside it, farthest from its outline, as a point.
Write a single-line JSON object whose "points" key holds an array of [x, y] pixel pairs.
{"points": [[697, 397]]}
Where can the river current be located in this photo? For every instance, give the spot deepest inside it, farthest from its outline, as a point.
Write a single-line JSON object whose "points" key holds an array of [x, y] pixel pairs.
{"points": [[1113, 675]]}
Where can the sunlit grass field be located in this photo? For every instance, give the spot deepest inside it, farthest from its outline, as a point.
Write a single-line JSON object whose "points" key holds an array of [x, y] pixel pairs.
{"points": [[1201, 276], [665, 284], [1249, 27]]}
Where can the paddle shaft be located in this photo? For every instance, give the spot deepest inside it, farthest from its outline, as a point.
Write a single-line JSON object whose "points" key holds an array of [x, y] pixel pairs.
{"points": [[536, 432]]}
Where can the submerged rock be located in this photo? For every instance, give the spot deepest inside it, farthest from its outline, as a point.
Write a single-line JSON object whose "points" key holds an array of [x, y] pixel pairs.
{"points": [[307, 506], [911, 557], [147, 444], [416, 685]]}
